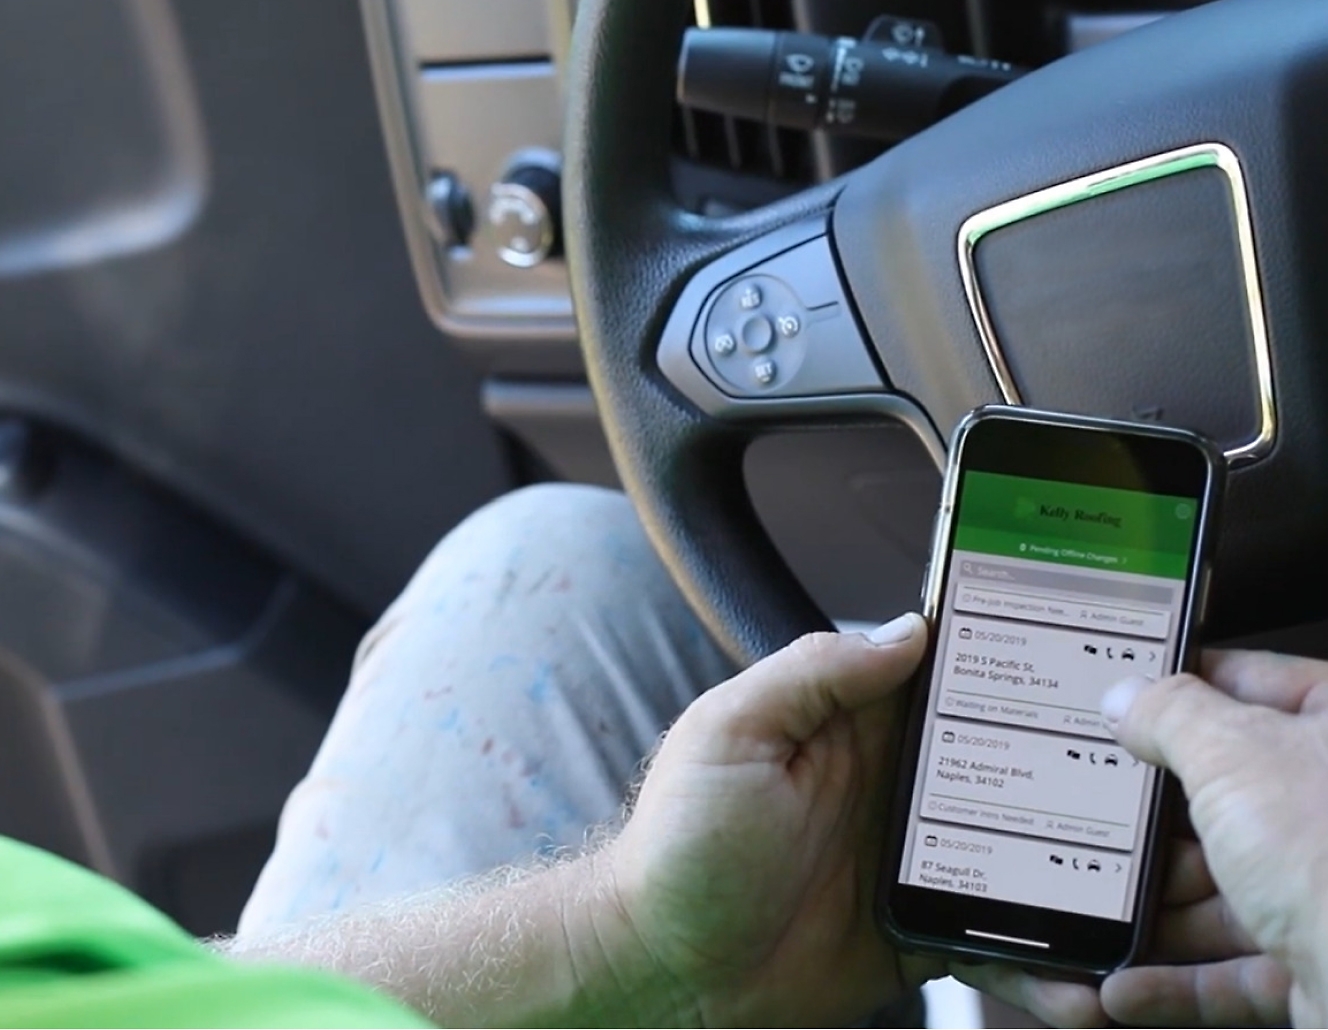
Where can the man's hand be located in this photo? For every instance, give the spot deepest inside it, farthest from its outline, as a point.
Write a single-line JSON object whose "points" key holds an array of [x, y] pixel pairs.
{"points": [[749, 866], [1250, 747], [1203, 969], [740, 892]]}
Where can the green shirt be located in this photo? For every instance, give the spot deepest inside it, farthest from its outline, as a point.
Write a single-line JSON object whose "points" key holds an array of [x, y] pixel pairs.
{"points": [[78, 950]]}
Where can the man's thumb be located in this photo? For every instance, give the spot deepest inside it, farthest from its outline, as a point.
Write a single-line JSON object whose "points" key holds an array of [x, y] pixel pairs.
{"points": [[793, 693], [1180, 723]]}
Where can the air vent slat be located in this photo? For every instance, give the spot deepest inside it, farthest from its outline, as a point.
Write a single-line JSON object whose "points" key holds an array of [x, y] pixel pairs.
{"points": [[738, 145], [778, 166], [686, 123], [732, 128]]}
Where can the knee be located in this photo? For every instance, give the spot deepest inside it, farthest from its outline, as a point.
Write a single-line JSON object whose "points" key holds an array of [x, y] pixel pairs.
{"points": [[589, 529], [555, 504], [559, 515]]}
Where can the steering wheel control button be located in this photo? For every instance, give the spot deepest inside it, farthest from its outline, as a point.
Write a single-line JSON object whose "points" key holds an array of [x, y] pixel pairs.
{"points": [[769, 323], [523, 213], [804, 349], [757, 334], [745, 314]]}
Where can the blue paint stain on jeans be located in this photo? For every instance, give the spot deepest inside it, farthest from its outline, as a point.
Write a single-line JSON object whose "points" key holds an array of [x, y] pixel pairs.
{"points": [[451, 721], [304, 903], [623, 553], [503, 661], [542, 686], [559, 815], [377, 860]]}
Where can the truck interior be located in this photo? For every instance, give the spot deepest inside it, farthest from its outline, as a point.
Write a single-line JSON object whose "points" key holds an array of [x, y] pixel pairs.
{"points": [[289, 289]]}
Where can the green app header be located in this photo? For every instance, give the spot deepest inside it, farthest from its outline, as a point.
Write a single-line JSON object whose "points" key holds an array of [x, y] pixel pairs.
{"points": [[1071, 524]]}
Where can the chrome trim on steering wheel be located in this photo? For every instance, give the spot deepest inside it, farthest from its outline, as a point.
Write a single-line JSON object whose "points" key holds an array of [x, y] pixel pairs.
{"points": [[1204, 155]]}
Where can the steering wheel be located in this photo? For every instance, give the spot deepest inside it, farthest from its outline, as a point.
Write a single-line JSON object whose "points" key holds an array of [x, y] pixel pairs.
{"points": [[1135, 231]]}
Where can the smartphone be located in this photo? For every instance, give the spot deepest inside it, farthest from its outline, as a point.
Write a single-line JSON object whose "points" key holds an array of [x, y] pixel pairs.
{"points": [[1068, 554]]}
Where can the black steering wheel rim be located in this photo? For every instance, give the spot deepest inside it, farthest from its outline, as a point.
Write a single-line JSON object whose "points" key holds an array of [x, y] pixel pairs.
{"points": [[631, 248]]}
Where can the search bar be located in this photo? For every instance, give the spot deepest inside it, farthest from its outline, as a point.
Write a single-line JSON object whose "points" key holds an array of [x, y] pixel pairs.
{"points": [[1109, 586], [1135, 622]]}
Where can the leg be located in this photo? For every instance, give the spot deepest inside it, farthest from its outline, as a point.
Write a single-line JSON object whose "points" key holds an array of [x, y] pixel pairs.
{"points": [[498, 709]]}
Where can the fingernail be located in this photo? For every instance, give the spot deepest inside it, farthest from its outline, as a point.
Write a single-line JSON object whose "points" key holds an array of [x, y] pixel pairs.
{"points": [[1116, 702], [896, 631]]}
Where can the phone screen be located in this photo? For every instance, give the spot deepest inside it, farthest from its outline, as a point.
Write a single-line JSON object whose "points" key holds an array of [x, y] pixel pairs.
{"points": [[1053, 590]]}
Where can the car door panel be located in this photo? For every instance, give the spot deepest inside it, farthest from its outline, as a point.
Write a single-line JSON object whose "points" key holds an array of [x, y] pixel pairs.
{"points": [[228, 430]]}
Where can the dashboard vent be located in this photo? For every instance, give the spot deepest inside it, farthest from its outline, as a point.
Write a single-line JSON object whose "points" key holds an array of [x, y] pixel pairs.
{"points": [[737, 145]]}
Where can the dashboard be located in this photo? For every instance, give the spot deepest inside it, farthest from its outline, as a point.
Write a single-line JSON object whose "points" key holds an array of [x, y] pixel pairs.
{"points": [[470, 96]]}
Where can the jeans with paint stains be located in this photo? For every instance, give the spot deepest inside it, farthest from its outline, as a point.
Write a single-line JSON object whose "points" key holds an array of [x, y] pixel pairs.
{"points": [[500, 709]]}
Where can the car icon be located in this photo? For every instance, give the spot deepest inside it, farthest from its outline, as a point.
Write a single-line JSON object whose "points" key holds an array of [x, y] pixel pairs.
{"points": [[1094, 866], [1128, 654], [1111, 760]]}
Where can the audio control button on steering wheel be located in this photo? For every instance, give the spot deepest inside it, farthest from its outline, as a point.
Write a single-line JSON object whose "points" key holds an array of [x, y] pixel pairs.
{"points": [[765, 323]]}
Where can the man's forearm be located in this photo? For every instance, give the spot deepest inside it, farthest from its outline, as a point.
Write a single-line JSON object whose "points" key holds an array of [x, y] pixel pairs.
{"points": [[548, 948]]}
